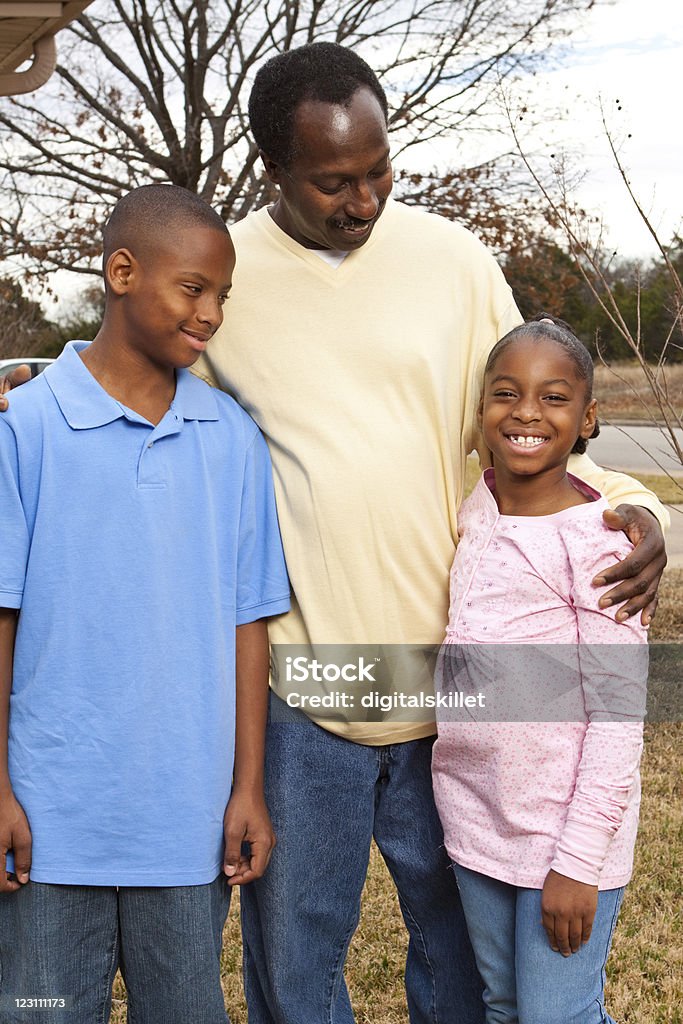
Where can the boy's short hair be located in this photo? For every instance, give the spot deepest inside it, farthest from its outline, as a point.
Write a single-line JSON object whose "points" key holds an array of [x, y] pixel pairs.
{"points": [[151, 213], [325, 72]]}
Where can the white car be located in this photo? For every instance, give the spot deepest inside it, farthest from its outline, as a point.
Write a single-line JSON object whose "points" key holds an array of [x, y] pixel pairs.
{"points": [[36, 363]]}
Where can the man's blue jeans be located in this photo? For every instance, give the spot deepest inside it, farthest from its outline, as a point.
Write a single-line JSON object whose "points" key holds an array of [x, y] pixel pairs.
{"points": [[66, 942], [327, 798], [526, 982]]}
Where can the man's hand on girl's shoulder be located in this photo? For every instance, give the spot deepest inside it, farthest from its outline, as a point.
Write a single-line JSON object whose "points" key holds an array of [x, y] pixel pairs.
{"points": [[640, 571]]}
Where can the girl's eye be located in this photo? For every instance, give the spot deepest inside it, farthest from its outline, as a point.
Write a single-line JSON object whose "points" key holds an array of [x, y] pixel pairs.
{"points": [[503, 394], [556, 398]]}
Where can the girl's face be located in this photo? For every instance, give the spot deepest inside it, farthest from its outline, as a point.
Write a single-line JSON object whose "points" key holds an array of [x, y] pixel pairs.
{"points": [[534, 407]]}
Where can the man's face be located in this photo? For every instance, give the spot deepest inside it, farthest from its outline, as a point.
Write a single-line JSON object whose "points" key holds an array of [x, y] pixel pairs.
{"points": [[337, 184], [175, 299]]}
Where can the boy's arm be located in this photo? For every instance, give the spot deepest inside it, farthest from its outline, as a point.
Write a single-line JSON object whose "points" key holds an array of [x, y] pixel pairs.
{"points": [[15, 833], [246, 817]]}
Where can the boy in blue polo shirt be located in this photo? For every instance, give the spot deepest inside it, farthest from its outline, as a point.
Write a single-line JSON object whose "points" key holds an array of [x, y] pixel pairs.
{"points": [[141, 551]]}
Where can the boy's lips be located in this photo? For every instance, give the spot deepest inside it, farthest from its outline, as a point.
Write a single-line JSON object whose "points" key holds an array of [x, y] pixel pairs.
{"points": [[197, 340]]}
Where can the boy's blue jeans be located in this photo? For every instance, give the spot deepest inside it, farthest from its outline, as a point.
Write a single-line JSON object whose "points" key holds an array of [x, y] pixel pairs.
{"points": [[327, 798], [525, 981], [66, 942]]}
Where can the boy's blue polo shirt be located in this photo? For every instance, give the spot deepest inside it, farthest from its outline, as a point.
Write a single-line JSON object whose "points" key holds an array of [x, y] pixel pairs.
{"points": [[132, 551]]}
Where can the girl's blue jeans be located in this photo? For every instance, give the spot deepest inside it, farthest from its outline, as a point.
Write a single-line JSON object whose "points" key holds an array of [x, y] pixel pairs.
{"points": [[525, 982], [327, 798], [65, 942]]}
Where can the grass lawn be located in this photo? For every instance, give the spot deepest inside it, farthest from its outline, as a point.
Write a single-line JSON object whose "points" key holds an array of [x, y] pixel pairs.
{"points": [[623, 393], [645, 971]]}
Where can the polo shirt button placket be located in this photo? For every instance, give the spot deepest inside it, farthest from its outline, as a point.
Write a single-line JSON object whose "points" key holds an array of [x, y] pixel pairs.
{"points": [[150, 472]]}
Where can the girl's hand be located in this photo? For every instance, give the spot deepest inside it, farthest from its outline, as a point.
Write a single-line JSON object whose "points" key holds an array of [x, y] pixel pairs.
{"points": [[567, 909]]}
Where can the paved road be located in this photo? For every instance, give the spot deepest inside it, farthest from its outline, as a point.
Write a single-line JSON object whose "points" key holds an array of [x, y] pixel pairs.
{"points": [[634, 450]]}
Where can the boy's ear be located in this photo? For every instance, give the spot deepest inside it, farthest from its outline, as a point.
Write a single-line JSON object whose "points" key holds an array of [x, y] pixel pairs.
{"points": [[272, 169], [590, 417], [119, 271]]}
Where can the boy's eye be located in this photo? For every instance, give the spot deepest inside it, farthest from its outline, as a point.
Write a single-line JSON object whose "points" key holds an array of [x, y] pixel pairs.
{"points": [[222, 299], [195, 289], [557, 398]]}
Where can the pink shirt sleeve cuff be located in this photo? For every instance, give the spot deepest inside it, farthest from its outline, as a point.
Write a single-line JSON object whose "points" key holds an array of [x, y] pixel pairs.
{"points": [[581, 852]]}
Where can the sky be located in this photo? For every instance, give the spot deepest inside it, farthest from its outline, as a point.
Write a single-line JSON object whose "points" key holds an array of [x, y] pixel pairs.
{"points": [[625, 57], [626, 51], [632, 52]]}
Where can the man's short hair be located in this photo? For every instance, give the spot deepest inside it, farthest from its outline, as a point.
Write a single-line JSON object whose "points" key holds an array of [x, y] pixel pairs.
{"points": [[152, 214], [324, 72]]}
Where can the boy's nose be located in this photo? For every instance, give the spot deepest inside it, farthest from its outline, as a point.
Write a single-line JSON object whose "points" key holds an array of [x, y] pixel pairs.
{"points": [[210, 312]]}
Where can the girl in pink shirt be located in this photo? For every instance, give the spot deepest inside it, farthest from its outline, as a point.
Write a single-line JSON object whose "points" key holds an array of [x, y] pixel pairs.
{"points": [[539, 794]]}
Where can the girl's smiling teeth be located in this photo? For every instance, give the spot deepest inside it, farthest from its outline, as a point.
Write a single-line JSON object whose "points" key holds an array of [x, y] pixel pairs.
{"points": [[526, 440]]}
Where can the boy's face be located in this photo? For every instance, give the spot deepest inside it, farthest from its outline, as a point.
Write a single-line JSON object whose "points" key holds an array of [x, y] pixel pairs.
{"points": [[175, 296]]}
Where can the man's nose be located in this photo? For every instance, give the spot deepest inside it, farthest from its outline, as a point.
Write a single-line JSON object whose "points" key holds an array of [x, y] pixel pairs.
{"points": [[363, 202]]}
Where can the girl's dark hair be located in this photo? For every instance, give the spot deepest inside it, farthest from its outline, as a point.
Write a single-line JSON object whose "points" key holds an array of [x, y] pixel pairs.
{"points": [[546, 327]]}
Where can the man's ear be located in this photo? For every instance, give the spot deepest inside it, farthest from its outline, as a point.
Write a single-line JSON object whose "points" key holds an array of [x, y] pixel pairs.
{"points": [[272, 169], [119, 270]]}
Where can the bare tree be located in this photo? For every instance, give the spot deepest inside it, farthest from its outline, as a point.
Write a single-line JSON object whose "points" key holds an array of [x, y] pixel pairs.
{"points": [[156, 90], [653, 356], [24, 328]]}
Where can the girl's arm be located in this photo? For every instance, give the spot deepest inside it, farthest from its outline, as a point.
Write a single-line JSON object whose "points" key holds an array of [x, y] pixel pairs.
{"points": [[613, 663]]}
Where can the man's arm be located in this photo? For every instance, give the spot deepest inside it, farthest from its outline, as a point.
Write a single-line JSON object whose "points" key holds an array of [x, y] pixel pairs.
{"points": [[15, 833], [640, 514], [246, 817]]}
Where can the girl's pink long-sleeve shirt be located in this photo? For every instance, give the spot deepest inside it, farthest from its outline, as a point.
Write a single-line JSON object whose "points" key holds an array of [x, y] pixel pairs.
{"points": [[519, 797]]}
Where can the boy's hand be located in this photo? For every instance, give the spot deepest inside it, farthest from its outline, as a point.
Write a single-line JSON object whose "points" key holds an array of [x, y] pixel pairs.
{"points": [[641, 570], [247, 821], [567, 909], [15, 835], [20, 375]]}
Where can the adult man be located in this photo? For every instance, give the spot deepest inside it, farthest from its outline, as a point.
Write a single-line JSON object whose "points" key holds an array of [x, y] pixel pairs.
{"points": [[356, 336]]}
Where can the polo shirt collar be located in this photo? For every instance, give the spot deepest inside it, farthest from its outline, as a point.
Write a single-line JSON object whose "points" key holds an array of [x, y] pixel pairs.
{"points": [[85, 404]]}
